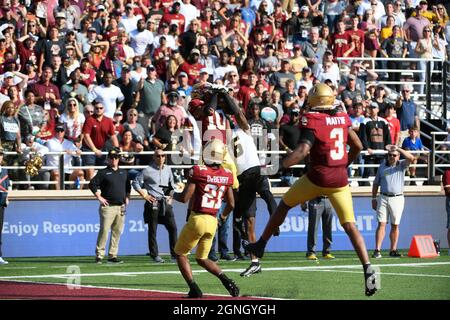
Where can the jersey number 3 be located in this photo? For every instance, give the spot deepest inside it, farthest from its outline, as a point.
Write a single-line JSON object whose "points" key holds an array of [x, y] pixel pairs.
{"points": [[212, 199], [337, 134]]}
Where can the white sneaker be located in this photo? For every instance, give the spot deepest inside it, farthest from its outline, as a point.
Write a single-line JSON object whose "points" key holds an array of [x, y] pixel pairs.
{"points": [[3, 261]]}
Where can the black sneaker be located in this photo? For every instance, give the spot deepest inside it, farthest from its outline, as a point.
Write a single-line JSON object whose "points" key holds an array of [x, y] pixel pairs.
{"points": [[98, 260], [115, 260], [213, 257], [370, 282], [231, 286], [227, 257], [194, 291], [256, 248], [254, 267], [376, 254], [395, 253]]}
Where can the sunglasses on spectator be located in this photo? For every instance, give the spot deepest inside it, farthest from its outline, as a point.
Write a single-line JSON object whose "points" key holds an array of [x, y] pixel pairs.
{"points": [[98, 108], [59, 130], [392, 155], [133, 114], [160, 155], [89, 111]]}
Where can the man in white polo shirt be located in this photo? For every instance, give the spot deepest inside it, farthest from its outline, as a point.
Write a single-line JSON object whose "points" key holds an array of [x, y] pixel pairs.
{"points": [[391, 180]]}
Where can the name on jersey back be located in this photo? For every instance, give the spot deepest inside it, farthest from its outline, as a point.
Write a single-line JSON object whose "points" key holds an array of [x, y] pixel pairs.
{"points": [[332, 121], [217, 179]]}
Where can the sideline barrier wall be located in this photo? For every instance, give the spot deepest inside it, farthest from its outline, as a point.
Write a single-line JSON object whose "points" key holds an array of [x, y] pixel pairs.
{"points": [[35, 228]]}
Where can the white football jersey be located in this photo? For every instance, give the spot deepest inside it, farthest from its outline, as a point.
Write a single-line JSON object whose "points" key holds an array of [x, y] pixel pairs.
{"points": [[245, 153]]}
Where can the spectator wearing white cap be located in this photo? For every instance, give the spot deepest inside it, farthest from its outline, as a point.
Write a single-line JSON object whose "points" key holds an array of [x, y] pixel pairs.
{"points": [[183, 82], [192, 66]]}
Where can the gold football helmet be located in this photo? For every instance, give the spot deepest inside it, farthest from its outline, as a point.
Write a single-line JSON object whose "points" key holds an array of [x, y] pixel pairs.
{"points": [[214, 152], [321, 97]]}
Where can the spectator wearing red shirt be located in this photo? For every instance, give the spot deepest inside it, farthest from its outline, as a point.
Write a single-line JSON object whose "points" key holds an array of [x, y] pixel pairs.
{"points": [[356, 37], [341, 42], [47, 94], [191, 67], [174, 17], [246, 93], [87, 73], [394, 124], [96, 130], [26, 51]]}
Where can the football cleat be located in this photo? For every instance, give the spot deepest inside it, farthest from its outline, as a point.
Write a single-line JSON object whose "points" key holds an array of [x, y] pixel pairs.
{"points": [[231, 287], [194, 291], [256, 248], [371, 280], [254, 267]]}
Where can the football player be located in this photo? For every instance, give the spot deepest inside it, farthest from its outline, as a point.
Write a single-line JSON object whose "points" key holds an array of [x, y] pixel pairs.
{"points": [[325, 134], [207, 186], [251, 181]]}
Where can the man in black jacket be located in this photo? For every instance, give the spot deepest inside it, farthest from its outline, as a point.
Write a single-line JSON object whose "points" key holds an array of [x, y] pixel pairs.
{"points": [[111, 186], [374, 135]]}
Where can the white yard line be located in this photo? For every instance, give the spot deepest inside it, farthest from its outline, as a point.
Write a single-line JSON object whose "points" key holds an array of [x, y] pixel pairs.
{"points": [[135, 289], [309, 268], [390, 273]]}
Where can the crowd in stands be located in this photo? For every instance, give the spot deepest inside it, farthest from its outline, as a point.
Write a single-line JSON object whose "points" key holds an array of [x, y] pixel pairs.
{"points": [[128, 67]]}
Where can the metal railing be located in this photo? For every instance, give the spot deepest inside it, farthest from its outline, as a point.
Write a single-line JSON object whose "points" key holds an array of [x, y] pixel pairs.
{"points": [[63, 183]]}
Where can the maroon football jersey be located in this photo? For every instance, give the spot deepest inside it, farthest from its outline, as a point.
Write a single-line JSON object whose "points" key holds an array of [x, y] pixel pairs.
{"points": [[328, 155], [214, 127], [211, 186]]}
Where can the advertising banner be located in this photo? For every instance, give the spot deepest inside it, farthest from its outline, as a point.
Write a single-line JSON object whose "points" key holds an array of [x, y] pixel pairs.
{"points": [[70, 227]]}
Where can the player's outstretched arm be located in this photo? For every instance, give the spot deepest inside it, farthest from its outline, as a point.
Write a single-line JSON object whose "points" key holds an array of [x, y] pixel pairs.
{"points": [[297, 155], [187, 193], [355, 146]]}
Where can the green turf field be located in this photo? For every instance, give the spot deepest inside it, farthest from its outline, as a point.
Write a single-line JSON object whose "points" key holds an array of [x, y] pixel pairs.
{"points": [[284, 276]]}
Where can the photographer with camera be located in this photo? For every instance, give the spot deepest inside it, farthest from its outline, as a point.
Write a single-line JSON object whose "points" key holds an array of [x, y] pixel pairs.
{"points": [[157, 179]]}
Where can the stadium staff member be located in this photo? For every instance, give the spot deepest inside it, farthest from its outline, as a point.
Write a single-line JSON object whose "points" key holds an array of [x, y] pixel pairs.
{"points": [[390, 179], [319, 208], [4, 184], [112, 188], [208, 185], [156, 209], [327, 174]]}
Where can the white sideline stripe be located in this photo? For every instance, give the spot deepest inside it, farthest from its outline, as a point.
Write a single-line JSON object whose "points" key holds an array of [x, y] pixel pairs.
{"points": [[391, 273], [310, 268], [146, 290]]}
